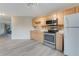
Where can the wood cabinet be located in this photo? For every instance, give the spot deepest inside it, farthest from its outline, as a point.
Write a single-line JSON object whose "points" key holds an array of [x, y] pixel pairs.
{"points": [[77, 9], [72, 10], [37, 35], [59, 41], [39, 21], [60, 16], [35, 22]]}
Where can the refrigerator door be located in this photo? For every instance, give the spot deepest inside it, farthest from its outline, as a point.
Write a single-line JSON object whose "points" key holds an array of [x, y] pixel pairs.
{"points": [[71, 41], [71, 20], [66, 21]]}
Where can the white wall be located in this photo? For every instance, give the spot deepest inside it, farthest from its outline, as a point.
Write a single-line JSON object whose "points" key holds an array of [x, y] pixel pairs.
{"points": [[21, 27]]}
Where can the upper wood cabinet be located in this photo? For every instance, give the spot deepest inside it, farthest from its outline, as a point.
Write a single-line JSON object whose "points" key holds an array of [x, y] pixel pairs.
{"points": [[77, 9], [72, 10], [39, 21], [60, 16]]}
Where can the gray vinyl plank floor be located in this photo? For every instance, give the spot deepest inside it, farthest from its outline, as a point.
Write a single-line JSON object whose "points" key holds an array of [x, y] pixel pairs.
{"points": [[21, 47]]}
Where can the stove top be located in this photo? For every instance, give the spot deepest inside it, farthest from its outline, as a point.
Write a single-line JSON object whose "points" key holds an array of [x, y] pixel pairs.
{"points": [[50, 31]]}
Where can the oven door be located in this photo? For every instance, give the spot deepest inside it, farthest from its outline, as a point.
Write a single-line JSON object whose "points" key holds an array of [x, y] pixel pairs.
{"points": [[49, 38]]}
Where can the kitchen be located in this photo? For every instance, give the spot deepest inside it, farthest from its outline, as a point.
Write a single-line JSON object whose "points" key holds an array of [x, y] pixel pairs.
{"points": [[49, 30], [53, 31]]}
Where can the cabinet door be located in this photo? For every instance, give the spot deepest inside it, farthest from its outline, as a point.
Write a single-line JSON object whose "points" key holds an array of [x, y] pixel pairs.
{"points": [[60, 16], [59, 42], [36, 35], [77, 9], [70, 11], [40, 36], [33, 36]]}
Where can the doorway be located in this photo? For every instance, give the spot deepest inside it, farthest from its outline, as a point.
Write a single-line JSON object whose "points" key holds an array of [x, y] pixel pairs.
{"points": [[5, 27]]}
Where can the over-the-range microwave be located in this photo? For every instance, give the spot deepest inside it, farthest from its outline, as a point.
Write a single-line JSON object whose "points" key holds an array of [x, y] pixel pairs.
{"points": [[51, 21]]}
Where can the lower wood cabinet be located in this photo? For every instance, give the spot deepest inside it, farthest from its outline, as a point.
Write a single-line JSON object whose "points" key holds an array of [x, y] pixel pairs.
{"points": [[59, 41], [37, 35]]}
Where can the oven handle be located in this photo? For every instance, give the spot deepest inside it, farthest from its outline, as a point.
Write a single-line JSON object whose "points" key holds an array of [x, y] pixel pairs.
{"points": [[49, 34]]}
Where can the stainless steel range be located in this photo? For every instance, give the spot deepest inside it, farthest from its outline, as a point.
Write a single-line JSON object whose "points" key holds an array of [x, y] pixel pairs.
{"points": [[50, 35], [50, 39]]}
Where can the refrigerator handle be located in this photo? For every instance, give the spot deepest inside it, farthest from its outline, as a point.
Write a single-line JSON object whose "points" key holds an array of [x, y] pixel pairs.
{"points": [[66, 22]]}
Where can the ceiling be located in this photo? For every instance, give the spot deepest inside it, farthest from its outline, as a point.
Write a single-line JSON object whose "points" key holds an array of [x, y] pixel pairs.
{"points": [[41, 9]]}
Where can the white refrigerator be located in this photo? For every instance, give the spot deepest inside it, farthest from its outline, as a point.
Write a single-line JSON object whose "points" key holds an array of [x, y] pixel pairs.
{"points": [[71, 35]]}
